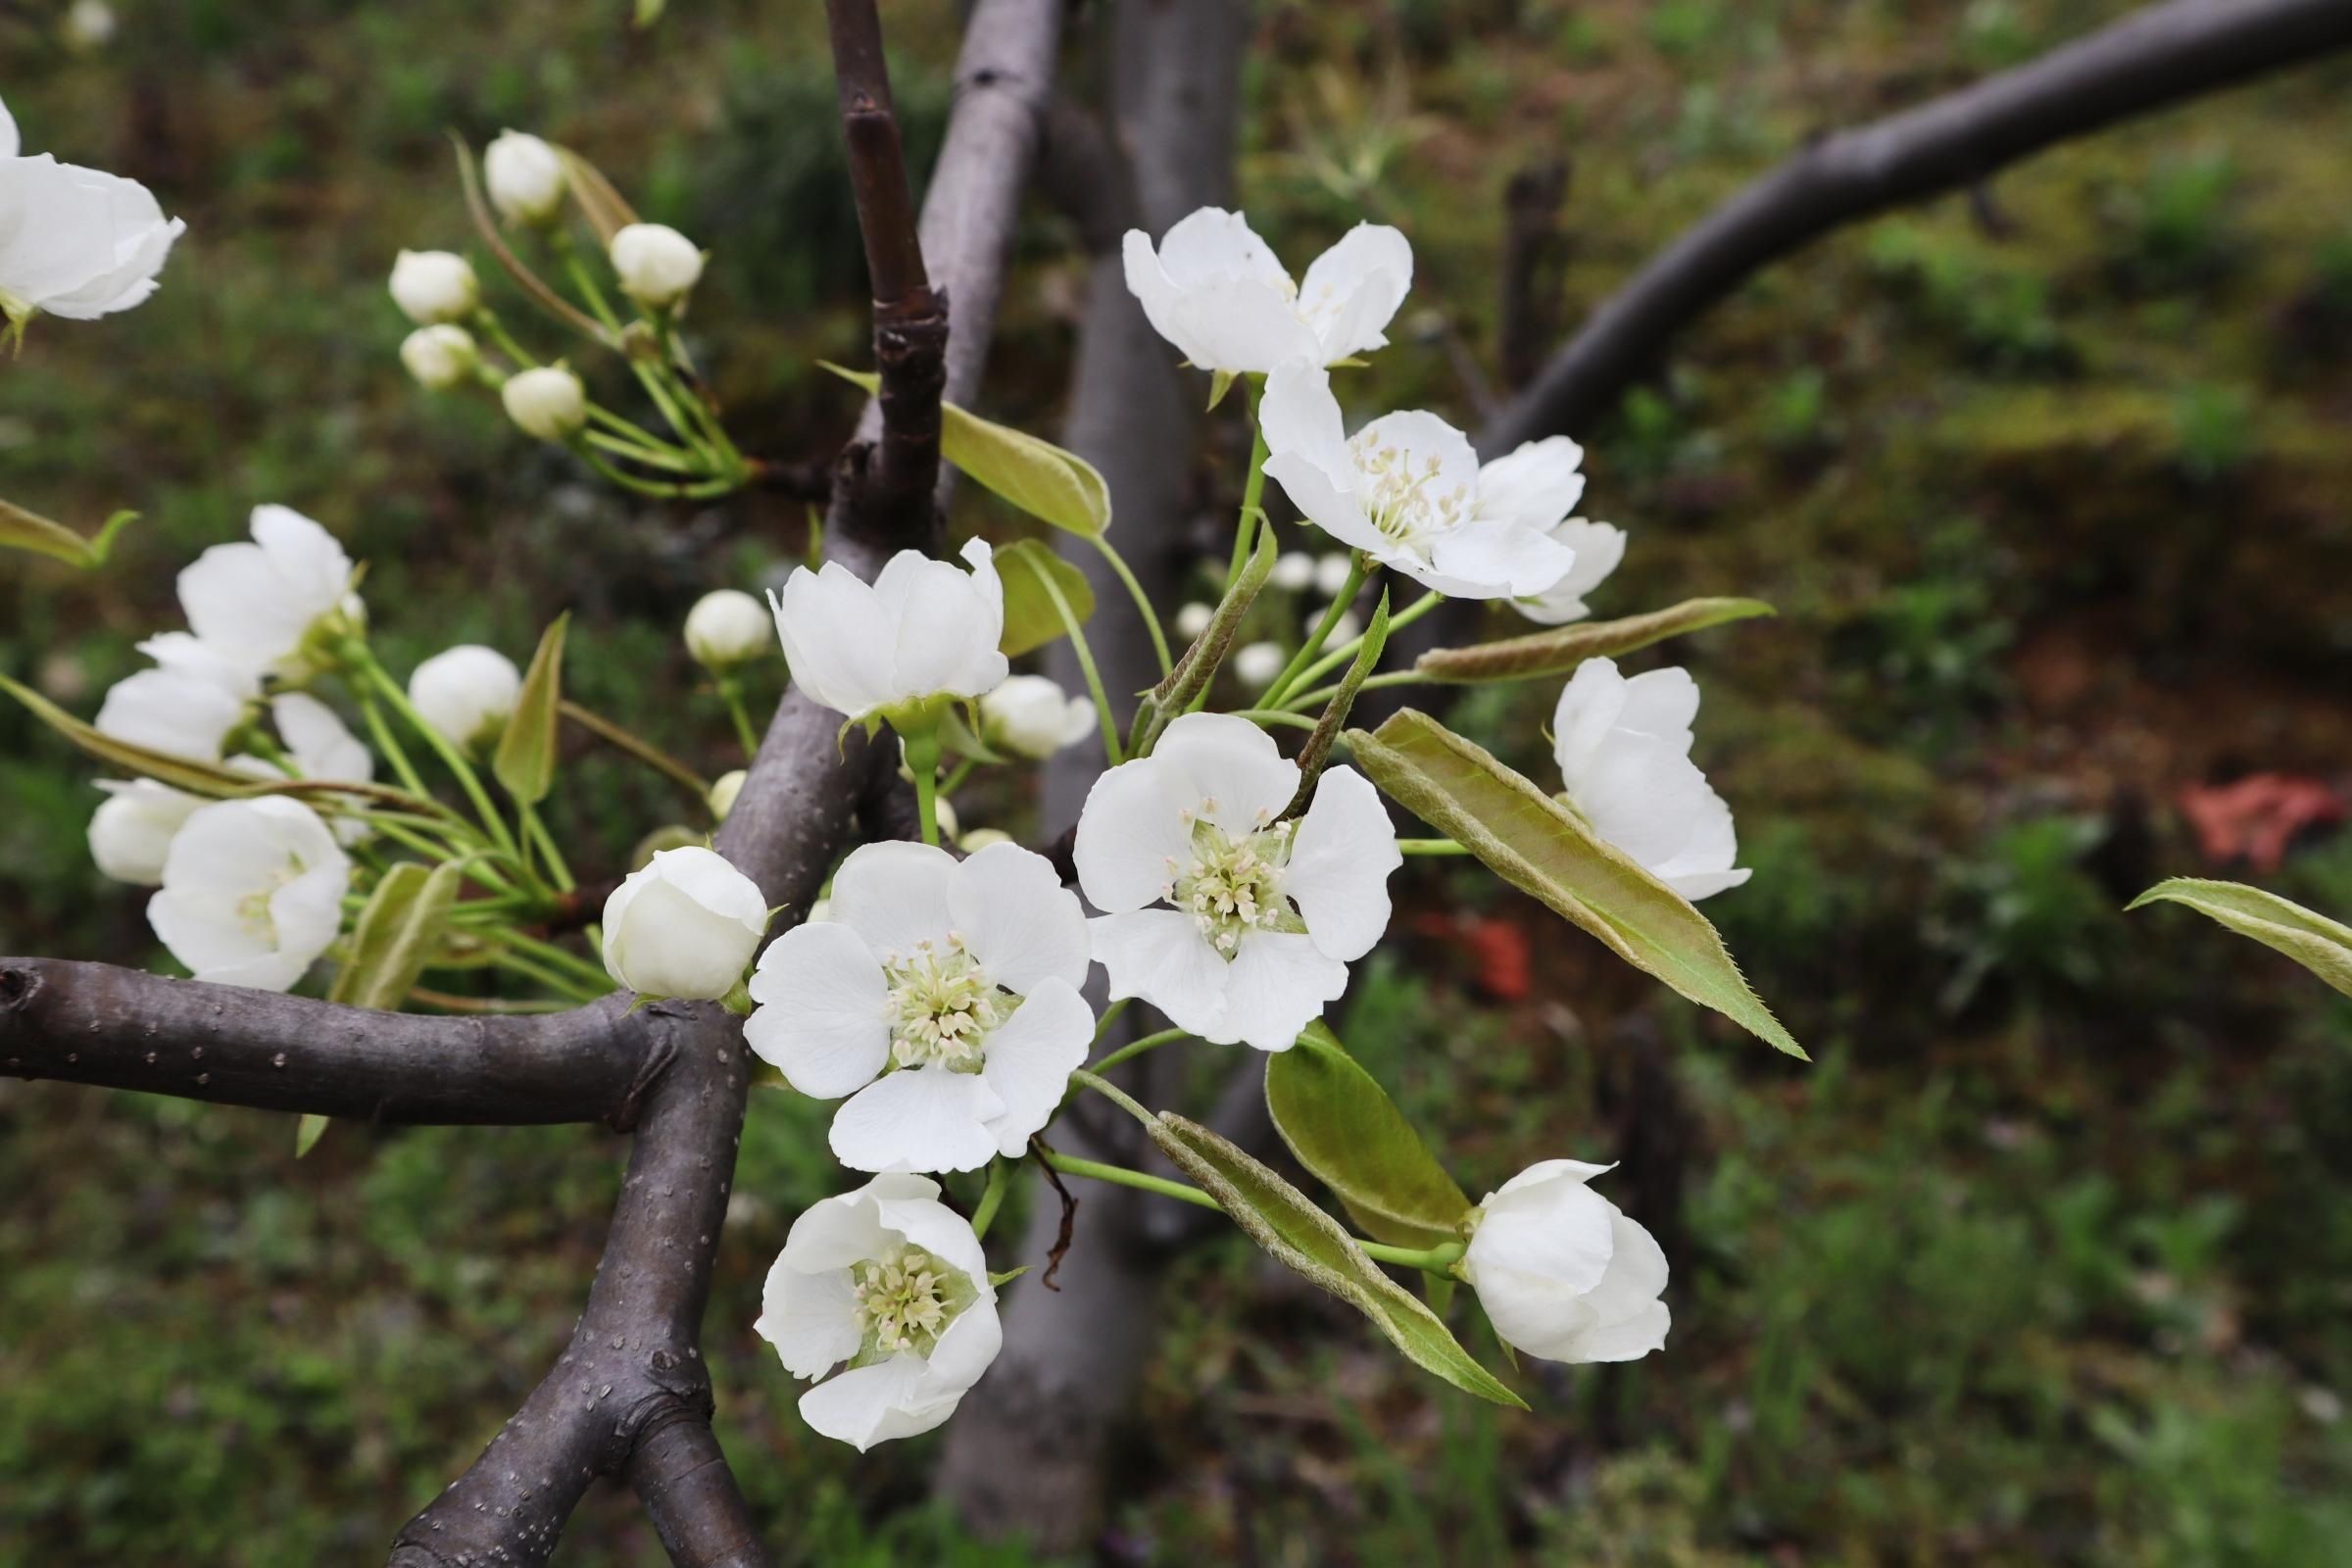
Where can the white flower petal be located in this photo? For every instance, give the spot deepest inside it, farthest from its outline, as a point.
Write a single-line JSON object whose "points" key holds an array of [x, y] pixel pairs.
{"points": [[844, 1229], [1351, 291], [1132, 837], [1629, 1339], [1536, 485], [1558, 1232], [919, 1217], [1161, 957], [1017, 920], [168, 712], [321, 744], [1030, 1059], [869, 1405], [812, 1319], [917, 1119], [819, 1020], [1276, 986], [1340, 860], [1240, 779], [1497, 561], [895, 894], [1584, 714], [1598, 547], [1211, 243]]}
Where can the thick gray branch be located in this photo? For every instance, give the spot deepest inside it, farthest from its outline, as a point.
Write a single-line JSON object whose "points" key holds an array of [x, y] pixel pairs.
{"points": [[2154, 57], [94, 1023]]}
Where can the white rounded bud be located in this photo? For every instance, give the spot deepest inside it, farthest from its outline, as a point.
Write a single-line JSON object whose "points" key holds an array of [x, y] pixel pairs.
{"points": [[685, 925], [440, 357], [1294, 571], [548, 402], [1192, 619], [727, 627], [434, 286], [723, 793], [526, 179], [1032, 716], [980, 838], [131, 832], [657, 266], [467, 693], [1260, 663], [1331, 573]]}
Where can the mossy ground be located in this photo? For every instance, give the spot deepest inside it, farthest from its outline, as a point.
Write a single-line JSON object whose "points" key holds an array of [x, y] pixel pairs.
{"points": [[2046, 1256]]}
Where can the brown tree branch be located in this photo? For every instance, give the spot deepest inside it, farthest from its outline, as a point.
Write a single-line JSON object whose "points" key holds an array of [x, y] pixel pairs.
{"points": [[94, 1023], [2157, 56]]}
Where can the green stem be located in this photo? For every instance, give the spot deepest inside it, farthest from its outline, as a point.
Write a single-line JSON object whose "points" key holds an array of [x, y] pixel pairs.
{"points": [[1347, 650], [922, 760], [649, 456], [992, 1197], [1115, 1095], [1431, 846], [1086, 663], [1294, 671], [957, 774], [1253, 488], [1324, 694], [1274, 716], [1136, 1047], [553, 982], [451, 758], [1438, 1260], [496, 331], [730, 692], [661, 489], [387, 744], [1142, 602], [1121, 1176], [535, 831], [581, 971]]}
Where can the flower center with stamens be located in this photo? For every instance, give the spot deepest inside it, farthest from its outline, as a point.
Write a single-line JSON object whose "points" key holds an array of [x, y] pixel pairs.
{"points": [[906, 1298], [1405, 501], [942, 1007], [253, 911], [1233, 886]]}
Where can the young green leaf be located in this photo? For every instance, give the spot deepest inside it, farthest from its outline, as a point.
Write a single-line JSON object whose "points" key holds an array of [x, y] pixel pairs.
{"points": [[477, 206], [21, 530], [601, 204], [1031, 619], [396, 934], [306, 1132], [1344, 1127], [1563, 648], [1048, 482], [525, 760], [2312, 940], [1197, 665], [180, 772], [1280, 1218], [1541, 848]]}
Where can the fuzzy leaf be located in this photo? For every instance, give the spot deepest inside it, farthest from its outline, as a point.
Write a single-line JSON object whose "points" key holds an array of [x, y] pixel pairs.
{"points": [[396, 934], [1031, 617], [1563, 648], [1048, 482], [607, 212], [1280, 1218], [526, 760], [1542, 849], [2312, 940], [1344, 1127], [180, 772], [28, 530]]}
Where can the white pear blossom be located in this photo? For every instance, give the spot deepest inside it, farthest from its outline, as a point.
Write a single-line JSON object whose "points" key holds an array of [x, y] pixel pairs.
{"points": [[725, 790], [434, 286], [525, 177], [132, 831], [1032, 716], [467, 693], [441, 357], [74, 242], [1563, 1273], [657, 265], [1404, 489], [921, 632], [1623, 749], [683, 925], [1257, 664], [271, 604], [726, 627], [941, 995], [892, 1282], [1294, 571], [319, 744], [545, 402], [1538, 486], [187, 705], [1215, 290], [1262, 917], [252, 891]]}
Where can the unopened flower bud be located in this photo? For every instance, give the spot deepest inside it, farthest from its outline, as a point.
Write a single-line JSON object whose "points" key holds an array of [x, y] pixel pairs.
{"points": [[723, 796], [657, 266], [727, 627], [1192, 619], [684, 924], [1294, 571], [434, 286], [1032, 716], [980, 838], [440, 357], [1259, 662], [467, 693], [548, 402], [526, 177]]}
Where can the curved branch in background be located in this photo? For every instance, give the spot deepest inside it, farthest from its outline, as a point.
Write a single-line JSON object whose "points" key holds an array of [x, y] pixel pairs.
{"points": [[94, 1023], [2152, 58]]}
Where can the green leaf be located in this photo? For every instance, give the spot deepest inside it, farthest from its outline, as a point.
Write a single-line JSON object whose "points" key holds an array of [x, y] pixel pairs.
{"points": [[1047, 481], [1563, 648], [182, 772], [1317, 749], [1543, 848], [526, 760], [27, 530], [306, 1133], [1030, 619], [607, 212], [1197, 665], [1280, 1218], [2314, 941], [1346, 1129], [396, 934]]}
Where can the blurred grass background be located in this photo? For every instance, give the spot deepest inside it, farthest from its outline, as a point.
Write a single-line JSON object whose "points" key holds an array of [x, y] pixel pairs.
{"points": [[2048, 1257]]}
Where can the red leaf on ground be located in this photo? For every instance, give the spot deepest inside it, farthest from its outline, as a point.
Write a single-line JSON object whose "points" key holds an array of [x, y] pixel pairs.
{"points": [[2258, 816]]}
